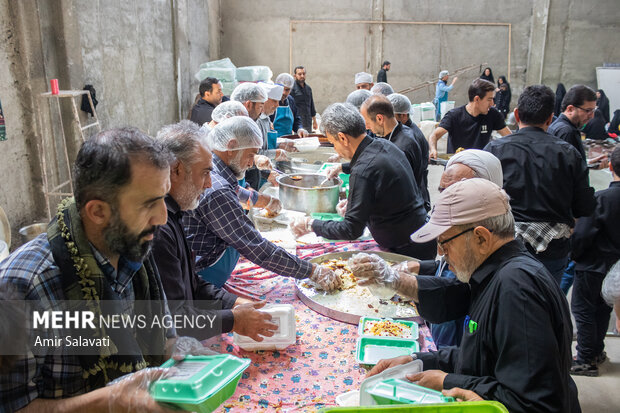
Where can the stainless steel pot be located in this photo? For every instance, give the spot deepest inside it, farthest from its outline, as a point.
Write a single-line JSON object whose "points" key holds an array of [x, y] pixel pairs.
{"points": [[305, 195]]}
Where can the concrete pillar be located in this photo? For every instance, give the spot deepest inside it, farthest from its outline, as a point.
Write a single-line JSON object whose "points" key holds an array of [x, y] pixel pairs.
{"points": [[538, 40]]}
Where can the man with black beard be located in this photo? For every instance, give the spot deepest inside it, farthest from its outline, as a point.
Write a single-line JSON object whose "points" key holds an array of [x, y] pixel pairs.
{"points": [[96, 257]]}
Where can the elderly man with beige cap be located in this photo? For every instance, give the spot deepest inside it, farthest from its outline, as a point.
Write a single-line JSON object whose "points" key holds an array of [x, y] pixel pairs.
{"points": [[363, 80], [516, 347]]}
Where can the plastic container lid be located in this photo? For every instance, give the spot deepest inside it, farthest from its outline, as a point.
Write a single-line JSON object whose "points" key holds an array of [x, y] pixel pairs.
{"points": [[201, 383], [411, 325], [398, 391], [372, 349], [396, 372], [284, 316], [307, 144]]}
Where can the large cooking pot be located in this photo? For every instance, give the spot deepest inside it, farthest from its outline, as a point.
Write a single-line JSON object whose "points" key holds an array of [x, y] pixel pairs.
{"points": [[305, 195]]}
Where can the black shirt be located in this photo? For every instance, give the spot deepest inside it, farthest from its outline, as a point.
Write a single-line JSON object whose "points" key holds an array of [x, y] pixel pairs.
{"points": [[520, 351], [201, 112], [546, 179], [186, 291], [415, 147], [596, 240], [466, 131], [382, 194], [305, 104], [382, 76], [563, 128]]}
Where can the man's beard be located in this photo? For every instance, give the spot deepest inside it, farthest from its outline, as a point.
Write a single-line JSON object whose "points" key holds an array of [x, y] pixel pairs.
{"points": [[189, 197], [235, 166], [468, 266], [120, 240]]}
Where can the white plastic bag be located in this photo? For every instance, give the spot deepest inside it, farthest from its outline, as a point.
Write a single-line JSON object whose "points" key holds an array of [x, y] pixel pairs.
{"points": [[611, 285]]}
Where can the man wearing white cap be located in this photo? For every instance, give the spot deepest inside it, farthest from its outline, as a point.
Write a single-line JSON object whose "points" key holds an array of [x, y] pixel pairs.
{"points": [[286, 119], [363, 80], [516, 347], [441, 91]]}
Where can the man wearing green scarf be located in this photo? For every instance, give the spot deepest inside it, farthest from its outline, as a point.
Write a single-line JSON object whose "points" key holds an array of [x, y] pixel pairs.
{"points": [[96, 256]]}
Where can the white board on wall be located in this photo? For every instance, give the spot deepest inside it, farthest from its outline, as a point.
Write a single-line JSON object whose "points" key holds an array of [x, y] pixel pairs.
{"points": [[608, 79]]}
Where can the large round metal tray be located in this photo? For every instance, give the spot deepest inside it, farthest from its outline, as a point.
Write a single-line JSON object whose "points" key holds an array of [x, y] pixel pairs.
{"points": [[348, 308]]}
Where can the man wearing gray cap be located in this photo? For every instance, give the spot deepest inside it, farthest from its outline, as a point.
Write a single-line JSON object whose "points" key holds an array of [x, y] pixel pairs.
{"points": [[363, 80], [441, 92], [516, 347], [286, 120]]}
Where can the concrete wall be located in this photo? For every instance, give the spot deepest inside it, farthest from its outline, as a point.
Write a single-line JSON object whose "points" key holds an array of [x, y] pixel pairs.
{"points": [[139, 55], [563, 40]]}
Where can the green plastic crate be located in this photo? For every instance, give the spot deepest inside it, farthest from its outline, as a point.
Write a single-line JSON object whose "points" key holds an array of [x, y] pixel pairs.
{"points": [[397, 391], [372, 349], [201, 384], [457, 407]]}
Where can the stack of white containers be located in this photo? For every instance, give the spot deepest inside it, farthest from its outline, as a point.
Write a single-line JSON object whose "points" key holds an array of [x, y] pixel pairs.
{"points": [[230, 76]]}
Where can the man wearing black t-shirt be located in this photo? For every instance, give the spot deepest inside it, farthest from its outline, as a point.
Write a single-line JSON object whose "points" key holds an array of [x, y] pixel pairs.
{"points": [[470, 126]]}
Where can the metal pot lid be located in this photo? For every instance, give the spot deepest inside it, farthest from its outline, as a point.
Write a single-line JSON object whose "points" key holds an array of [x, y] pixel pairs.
{"points": [[5, 228]]}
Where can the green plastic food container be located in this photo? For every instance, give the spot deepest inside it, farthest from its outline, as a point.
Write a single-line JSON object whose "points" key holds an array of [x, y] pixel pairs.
{"points": [[201, 383], [397, 391], [372, 349], [458, 407], [413, 326]]}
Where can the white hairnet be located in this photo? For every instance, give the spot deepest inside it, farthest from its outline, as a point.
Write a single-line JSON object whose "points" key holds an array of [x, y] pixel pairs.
{"points": [[249, 91], [236, 133], [357, 97], [443, 73], [382, 88], [611, 285], [285, 79], [485, 164], [363, 77], [227, 110], [273, 91], [401, 103]]}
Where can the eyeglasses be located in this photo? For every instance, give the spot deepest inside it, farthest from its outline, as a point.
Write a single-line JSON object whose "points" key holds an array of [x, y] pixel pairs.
{"points": [[441, 244], [586, 110]]}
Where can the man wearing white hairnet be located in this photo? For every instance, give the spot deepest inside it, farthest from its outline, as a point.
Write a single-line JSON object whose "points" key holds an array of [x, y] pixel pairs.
{"points": [[252, 96], [286, 119], [363, 80], [357, 97], [441, 91], [223, 111], [402, 108], [516, 347], [219, 230], [382, 88]]}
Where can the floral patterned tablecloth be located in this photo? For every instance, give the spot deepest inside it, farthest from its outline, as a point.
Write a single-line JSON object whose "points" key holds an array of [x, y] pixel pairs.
{"points": [[308, 375]]}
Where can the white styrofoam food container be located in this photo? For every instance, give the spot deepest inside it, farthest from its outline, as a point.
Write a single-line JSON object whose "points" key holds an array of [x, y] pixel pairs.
{"points": [[396, 372], [283, 315]]}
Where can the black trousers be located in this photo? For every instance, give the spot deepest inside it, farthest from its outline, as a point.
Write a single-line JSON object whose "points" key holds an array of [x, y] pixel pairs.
{"points": [[591, 314]]}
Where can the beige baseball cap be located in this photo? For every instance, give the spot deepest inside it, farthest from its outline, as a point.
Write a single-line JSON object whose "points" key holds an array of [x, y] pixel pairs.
{"points": [[465, 202]]}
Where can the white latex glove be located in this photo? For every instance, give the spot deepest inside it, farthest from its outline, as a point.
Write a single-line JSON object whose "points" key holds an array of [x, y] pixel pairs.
{"points": [[281, 155], [325, 278], [300, 225], [373, 269], [189, 346], [262, 162], [334, 171], [272, 179], [302, 133], [341, 207], [334, 158], [130, 393], [274, 205]]}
